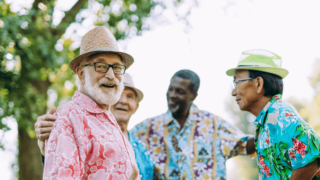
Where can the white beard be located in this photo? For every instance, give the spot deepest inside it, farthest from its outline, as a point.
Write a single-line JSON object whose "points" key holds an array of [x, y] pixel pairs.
{"points": [[102, 95]]}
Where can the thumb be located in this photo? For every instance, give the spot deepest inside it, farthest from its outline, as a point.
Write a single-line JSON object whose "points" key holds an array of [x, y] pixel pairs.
{"points": [[52, 110]]}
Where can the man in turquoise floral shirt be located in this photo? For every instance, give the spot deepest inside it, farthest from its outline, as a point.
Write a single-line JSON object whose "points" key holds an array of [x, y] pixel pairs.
{"points": [[287, 147], [188, 143]]}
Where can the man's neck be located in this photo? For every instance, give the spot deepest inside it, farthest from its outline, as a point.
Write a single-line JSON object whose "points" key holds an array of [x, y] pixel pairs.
{"points": [[182, 117], [124, 128], [259, 105]]}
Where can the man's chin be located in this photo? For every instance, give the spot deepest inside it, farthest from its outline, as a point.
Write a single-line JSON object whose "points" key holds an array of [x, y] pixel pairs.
{"points": [[173, 110]]}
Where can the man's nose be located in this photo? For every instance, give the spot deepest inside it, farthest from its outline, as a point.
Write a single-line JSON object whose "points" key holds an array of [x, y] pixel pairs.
{"points": [[110, 74], [123, 100], [233, 92]]}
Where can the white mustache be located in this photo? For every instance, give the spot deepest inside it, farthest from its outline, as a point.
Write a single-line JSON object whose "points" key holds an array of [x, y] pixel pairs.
{"points": [[108, 82]]}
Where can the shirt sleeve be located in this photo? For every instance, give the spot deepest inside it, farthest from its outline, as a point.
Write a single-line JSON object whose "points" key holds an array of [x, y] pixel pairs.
{"points": [[233, 141], [303, 145], [140, 130], [61, 153]]}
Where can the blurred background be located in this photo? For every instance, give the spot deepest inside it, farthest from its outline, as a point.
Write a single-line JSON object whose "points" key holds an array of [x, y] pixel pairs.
{"points": [[38, 39]]}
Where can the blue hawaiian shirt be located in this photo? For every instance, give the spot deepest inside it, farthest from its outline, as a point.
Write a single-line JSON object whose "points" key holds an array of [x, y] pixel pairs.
{"points": [[142, 156], [198, 150], [284, 141]]}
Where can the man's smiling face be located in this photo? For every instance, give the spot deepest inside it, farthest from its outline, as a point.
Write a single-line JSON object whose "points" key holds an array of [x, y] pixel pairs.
{"points": [[179, 96], [103, 88], [126, 106]]}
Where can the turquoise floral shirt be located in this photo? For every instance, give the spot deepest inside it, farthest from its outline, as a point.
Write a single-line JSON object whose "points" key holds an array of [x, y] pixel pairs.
{"points": [[144, 162], [284, 141], [198, 151]]}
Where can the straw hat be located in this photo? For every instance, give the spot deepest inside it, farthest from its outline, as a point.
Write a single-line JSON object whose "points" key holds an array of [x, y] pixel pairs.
{"points": [[99, 39], [128, 82], [260, 60]]}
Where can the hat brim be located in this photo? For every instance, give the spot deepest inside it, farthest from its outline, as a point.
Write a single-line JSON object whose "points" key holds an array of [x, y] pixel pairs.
{"points": [[138, 92], [126, 58], [272, 70]]}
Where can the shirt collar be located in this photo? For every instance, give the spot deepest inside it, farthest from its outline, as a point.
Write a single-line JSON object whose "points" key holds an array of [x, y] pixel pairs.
{"points": [[86, 102], [262, 114], [193, 109]]}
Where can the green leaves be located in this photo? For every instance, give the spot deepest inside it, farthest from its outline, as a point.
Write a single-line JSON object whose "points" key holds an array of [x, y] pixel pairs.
{"points": [[38, 54]]}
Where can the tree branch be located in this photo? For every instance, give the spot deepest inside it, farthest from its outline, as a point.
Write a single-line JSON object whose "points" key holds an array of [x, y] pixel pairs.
{"points": [[68, 18], [35, 8]]}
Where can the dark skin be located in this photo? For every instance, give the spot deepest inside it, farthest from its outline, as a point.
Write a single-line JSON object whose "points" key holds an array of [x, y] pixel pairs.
{"points": [[250, 97], [180, 98]]}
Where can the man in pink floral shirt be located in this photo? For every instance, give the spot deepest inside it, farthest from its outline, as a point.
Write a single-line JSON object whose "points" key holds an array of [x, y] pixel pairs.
{"points": [[86, 141]]}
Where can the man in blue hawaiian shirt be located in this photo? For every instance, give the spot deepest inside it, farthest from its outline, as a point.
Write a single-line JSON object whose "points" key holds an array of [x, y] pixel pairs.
{"points": [[287, 147]]}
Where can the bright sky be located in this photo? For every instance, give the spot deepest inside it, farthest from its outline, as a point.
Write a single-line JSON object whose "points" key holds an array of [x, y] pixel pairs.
{"points": [[289, 28]]}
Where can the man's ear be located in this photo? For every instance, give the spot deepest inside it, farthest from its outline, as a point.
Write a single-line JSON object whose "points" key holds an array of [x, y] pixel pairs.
{"points": [[194, 96], [259, 84], [81, 74], [137, 106]]}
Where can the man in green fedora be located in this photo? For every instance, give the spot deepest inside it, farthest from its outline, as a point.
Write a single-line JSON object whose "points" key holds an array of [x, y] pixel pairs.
{"points": [[287, 147]]}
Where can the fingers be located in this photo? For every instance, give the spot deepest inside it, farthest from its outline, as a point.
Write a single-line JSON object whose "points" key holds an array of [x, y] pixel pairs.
{"points": [[135, 173], [52, 110], [47, 117], [45, 130], [43, 137], [43, 124]]}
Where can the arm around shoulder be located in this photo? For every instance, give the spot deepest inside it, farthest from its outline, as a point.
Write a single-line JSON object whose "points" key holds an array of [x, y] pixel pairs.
{"points": [[62, 155]]}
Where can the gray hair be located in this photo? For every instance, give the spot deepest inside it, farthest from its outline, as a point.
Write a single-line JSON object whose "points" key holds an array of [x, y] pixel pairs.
{"points": [[78, 83]]}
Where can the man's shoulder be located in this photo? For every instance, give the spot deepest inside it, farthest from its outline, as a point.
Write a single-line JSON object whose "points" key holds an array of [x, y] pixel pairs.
{"points": [[65, 109], [206, 115], [160, 117], [281, 113]]}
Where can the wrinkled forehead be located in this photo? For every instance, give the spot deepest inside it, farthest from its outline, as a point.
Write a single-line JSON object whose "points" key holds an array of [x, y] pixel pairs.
{"points": [[241, 73], [109, 58], [129, 90]]}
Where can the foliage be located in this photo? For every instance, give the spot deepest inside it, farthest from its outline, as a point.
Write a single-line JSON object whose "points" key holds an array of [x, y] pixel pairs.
{"points": [[246, 168], [310, 111], [34, 56]]}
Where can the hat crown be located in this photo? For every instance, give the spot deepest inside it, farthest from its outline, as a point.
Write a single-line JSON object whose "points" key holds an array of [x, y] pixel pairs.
{"points": [[98, 37], [259, 58], [128, 80]]}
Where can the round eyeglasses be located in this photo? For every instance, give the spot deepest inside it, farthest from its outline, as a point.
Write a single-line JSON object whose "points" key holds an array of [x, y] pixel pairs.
{"points": [[104, 67]]}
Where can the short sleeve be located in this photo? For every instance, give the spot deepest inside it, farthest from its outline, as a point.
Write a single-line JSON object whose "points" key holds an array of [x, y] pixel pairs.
{"points": [[233, 141], [139, 131], [61, 153], [304, 145]]}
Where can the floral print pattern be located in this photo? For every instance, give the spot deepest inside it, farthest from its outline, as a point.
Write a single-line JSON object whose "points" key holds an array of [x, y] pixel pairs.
{"points": [[145, 164], [198, 151], [284, 141], [87, 143]]}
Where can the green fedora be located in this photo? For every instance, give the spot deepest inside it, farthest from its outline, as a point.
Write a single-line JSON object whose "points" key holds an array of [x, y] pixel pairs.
{"points": [[260, 60]]}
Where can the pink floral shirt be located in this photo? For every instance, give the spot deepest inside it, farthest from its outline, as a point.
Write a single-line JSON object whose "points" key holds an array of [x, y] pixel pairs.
{"points": [[87, 143]]}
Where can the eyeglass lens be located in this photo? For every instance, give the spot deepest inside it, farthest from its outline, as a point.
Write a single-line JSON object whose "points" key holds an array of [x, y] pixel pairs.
{"points": [[102, 67]]}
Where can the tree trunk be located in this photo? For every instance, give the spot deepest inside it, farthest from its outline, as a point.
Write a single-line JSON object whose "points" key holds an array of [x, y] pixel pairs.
{"points": [[29, 158]]}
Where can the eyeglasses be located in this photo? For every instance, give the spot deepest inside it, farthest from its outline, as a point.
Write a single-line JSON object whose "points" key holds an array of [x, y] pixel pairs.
{"points": [[104, 67], [239, 80]]}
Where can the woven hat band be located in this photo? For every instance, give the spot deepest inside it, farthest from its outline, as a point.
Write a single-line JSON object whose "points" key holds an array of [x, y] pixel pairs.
{"points": [[260, 60], [99, 40]]}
